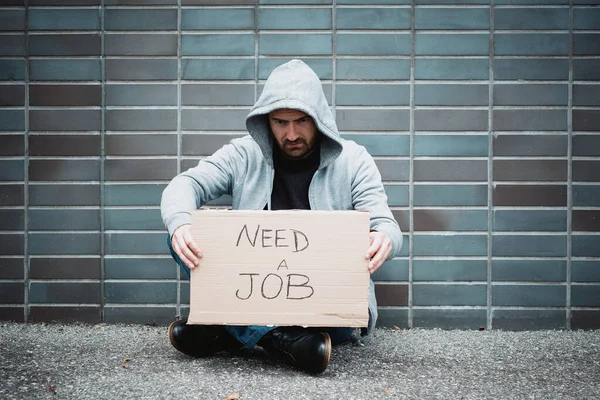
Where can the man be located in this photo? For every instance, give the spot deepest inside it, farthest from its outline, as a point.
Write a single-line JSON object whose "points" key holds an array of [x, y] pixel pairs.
{"points": [[293, 158]]}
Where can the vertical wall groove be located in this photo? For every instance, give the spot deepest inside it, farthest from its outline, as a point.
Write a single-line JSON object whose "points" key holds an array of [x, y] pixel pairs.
{"points": [[411, 184], [490, 208], [102, 158], [26, 174], [569, 170], [179, 139]]}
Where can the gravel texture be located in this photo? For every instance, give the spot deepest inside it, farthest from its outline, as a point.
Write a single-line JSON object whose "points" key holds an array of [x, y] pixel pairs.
{"points": [[39, 361]]}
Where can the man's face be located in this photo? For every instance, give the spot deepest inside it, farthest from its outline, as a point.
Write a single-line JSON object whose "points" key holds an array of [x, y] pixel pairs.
{"points": [[294, 131]]}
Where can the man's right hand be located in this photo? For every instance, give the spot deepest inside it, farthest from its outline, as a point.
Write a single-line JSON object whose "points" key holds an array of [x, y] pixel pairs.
{"points": [[184, 245]]}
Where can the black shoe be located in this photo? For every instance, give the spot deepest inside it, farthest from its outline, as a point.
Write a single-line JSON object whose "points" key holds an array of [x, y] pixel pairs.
{"points": [[298, 347], [201, 340]]}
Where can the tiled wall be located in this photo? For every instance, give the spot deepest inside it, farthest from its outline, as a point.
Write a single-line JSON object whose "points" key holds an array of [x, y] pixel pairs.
{"points": [[483, 117]]}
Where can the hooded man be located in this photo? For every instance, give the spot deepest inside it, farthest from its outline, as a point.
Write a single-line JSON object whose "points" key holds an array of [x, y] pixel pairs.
{"points": [[293, 158]]}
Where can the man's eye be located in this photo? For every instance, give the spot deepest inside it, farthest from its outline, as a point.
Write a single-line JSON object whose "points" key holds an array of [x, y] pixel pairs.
{"points": [[305, 119]]}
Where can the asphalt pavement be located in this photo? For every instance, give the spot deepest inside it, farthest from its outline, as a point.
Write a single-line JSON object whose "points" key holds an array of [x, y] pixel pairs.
{"points": [[48, 361]]}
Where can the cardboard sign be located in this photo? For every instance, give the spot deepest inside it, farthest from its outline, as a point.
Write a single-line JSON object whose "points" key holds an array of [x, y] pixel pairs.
{"points": [[282, 268]]}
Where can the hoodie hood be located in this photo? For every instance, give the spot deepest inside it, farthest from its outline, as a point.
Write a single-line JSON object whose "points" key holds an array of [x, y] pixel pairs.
{"points": [[294, 85]]}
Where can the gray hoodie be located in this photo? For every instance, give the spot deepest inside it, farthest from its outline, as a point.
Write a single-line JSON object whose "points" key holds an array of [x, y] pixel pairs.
{"points": [[347, 177]]}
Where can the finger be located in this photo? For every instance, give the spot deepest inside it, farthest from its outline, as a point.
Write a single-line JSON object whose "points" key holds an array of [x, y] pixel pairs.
{"points": [[380, 257], [376, 240], [191, 243], [182, 256], [185, 250]]}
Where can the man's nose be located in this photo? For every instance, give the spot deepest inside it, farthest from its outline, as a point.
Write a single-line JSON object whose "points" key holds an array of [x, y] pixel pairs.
{"points": [[292, 134]]}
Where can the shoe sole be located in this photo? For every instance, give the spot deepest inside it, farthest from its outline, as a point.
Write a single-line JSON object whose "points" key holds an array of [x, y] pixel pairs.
{"points": [[171, 334], [327, 351]]}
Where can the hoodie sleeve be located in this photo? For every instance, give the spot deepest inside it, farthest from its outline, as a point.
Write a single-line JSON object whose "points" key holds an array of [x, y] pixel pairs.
{"points": [[368, 194], [213, 177]]}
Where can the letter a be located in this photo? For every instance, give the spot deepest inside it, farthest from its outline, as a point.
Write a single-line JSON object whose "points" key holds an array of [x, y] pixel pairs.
{"points": [[282, 264]]}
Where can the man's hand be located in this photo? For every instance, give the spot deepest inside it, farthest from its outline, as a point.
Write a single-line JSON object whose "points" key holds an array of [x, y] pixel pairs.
{"points": [[185, 247], [378, 251]]}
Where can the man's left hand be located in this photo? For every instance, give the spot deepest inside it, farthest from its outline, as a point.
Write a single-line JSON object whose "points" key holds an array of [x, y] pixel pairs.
{"points": [[378, 251]]}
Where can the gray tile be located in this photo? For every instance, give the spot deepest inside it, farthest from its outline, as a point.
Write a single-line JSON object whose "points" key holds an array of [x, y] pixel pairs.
{"points": [[585, 319], [586, 171], [534, 2], [12, 45], [530, 170], [204, 144], [372, 2], [450, 245], [451, 94], [451, 145], [65, 314], [294, 18], [139, 170], [12, 70], [529, 320], [65, 70], [65, 95], [450, 170], [140, 268], [64, 170], [130, 194], [452, 18], [372, 94], [530, 220], [581, 271], [11, 195], [76, 292], [64, 145], [378, 69], [220, 18], [303, 44], [214, 119], [373, 44], [585, 246], [145, 219], [13, 268], [530, 120], [392, 317], [12, 170], [373, 18], [64, 268], [531, 44], [397, 195], [449, 295], [451, 120], [531, 18], [530, 145], [531, 69], [140, 292], [63, 19], [58, 243], [323, 67], [12, 95], [65, 120], [586, 220], [383, 145], [529, 295], [450, 270], [140, 19], [184, 290], [443, 44], [450, 195], [139, 2], [526, 270], [216, 94], [394, 170], [141, 120], [12, 120], [391, 295], [11, 220], [64, 2], [12, 145], [59, 220], [586, 120], [144, 70], [217, 69], [586, 44], [12, 293], [586, 195], [146, 315], [136, 243], [12, 20], [208, 44], [64, 195], [64, 45], [531, 95], [373, 120], [586, 95], [140, 145], [586, 18], [216, 2], [450, 220], [11, 244], [392, 270], [586, 70], [529, 246], [447, 68], [140, 45], [141, 94], [403, 219], [449, 319]]}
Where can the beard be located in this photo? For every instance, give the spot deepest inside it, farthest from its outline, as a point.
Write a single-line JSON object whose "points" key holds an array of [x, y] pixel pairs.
{"points": [[297, 149]]}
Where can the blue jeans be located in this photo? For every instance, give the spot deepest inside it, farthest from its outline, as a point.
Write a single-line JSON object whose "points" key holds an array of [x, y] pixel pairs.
{"points": [[250, 335]]}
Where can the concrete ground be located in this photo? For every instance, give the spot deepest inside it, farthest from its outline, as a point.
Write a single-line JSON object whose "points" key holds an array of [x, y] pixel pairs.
{"points": [[39, 361]]}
